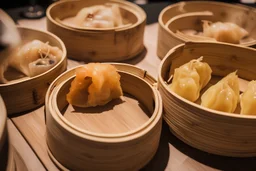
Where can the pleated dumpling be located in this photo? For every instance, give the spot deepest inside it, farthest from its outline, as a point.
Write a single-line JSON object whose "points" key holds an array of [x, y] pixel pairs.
{"points": [[190, 78], [248, 100], [95, 84], [224, 95], [224, 32]]}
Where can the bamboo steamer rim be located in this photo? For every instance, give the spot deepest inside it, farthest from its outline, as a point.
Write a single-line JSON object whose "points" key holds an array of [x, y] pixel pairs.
{"points": [[183, 3], [54, 106], [3, 118], [214, 112], [64, 54], [188, 14], [132, 8], [109, 138]]}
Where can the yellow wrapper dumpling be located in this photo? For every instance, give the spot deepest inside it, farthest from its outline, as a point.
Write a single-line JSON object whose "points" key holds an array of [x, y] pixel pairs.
{"points": [[224, 32], [248, 100], [224, 95], [190, 78], [95, 84]]}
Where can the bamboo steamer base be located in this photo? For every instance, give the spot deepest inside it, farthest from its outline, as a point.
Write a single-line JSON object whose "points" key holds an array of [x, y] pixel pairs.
{"points": [[26, 93], [107, 136], [98, 44], [126, 108], [55, 161], [186, 15], [220, 133]]}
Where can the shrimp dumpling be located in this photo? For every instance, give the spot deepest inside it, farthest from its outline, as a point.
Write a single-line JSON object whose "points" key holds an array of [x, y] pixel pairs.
{"points": [[190, 78], [224, 32], [95, 84], [97, 16], [223, 96], [248, 100]]}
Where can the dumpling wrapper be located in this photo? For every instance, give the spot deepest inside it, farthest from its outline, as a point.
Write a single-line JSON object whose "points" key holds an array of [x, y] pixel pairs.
{"points": [[248, 100], [224, 32], [97, 16], [25, 57], [95, 84], [190, 78], [224, 95]]}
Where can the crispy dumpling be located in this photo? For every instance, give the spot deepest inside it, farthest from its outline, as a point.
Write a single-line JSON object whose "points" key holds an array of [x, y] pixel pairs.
{"points": [[224, 95], [224, 32], [190, 78], [248, 100], [95, 84]]}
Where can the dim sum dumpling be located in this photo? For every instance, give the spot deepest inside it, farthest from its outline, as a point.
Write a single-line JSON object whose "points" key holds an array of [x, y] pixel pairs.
{"points": [[248, 100], [32, 58], [32, 55], [222, 96], [98, 16], [95, 84], [190, 78], [224, 32]]}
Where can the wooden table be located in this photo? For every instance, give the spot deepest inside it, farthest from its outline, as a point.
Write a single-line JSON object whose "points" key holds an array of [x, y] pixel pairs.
{"points": [[27, 130]]}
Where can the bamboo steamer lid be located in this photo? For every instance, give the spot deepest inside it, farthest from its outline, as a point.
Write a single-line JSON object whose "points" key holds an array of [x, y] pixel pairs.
{"points": [[122, 135], [186, 15], [27, 93], [227, 134], [109, 44]]}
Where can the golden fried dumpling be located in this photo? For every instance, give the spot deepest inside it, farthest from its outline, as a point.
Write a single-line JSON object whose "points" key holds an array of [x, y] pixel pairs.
{"points": [[95, 84], [248, 100], [190, 78], [223, 95], [224, 32]]}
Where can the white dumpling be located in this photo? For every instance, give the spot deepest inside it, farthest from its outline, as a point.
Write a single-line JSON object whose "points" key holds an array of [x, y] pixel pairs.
{"points": [[31, 52], [98, 16], [32, 58], [248, 100], [224, 32]]}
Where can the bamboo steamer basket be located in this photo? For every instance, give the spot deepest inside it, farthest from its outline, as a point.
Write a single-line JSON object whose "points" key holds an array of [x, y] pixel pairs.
{"points": [[209, 130], [186, 15], [118, 136], [27, 93], [85, 44], [3, 127]]}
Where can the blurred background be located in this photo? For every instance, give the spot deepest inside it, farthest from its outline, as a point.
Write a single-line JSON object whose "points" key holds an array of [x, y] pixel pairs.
{"points": [[34, 9], [19, 3]]}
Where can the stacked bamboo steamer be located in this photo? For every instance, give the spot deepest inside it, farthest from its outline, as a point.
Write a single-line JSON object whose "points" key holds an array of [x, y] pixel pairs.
{"points": [[121, 135], [3, 126], [188, 15], [228, 134], [27, 93], [98, 44]]}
